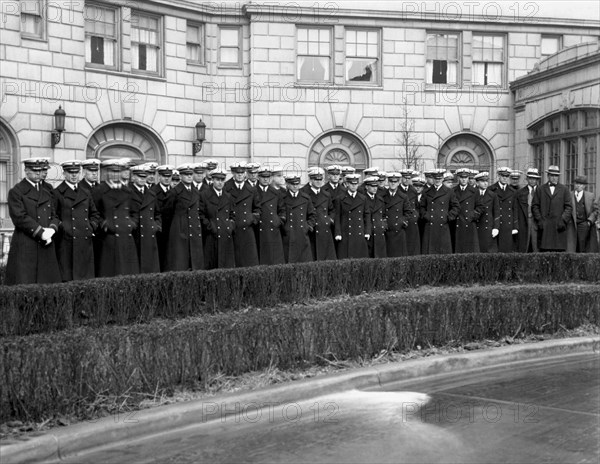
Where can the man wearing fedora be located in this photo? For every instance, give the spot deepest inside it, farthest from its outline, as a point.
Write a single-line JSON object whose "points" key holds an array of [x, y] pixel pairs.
{"points": [[527, 240], [581, 233], [552, 209]]}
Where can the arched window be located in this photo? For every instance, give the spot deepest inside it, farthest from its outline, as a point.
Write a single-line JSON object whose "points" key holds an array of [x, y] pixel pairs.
{"points": [[465, 151], [570, 141], [126, 140], [338, 147]]}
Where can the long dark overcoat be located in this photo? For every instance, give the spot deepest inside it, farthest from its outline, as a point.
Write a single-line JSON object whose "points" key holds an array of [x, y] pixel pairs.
{"points": [[150, 224], [508, 216], [321, 238], [162, 236], [74, 242], [218, 221], [182, 211], [118, 253], [246, 213], [439, 207], [466, 237], [30, 261], [398, 210], [299, 219], [586, 236], [552, 214], [352, 223], [488, 210], [527, 225], [376, 243], [272, 217], [413, 236]]}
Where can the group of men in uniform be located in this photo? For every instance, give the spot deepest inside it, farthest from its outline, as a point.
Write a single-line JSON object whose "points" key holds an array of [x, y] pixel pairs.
{"points": [[140, 220]]}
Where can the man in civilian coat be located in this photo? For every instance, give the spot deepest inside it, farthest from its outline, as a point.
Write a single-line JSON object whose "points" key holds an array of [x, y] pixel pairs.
{"points": [[32, 255], [150, 224], [552, 211], [246, 213], [218, 221], [419, 184], [300, 219], [272, 217], [321, 237], [527, 239], [161, 190], [352, 221], [79, 220], [439, 206], [581, 231], [488, 210], [413, 239], [466, 239], [509, 224], [182, 214], [118, 220], [376, 207]]}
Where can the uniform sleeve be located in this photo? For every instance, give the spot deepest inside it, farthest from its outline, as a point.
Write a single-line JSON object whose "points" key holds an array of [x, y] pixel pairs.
{"points": [[19, 216]]}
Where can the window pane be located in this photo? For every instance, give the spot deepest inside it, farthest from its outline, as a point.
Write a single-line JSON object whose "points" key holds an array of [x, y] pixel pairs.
{"points": [[193, 34], [229, 55], [590, 119], [193, 52], [302, 34], [350, 49], [31, 24], [229, 37], [313, 68], [324, 49], [350, 36], [302, 48], [358, 70], [323, 35], [313, 35]]}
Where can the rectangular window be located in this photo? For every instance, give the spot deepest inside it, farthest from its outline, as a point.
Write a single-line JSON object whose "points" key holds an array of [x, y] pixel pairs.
{"points": [[314, 54], [590, 119], [33, 23], [590, 160], [146, 43], [571, 161], [550, 45], [538, 156], [488, 60], [554, 156], [442, 63], [362, 56], [195, 43], [101, 35], [230, 51], [572, 121]]}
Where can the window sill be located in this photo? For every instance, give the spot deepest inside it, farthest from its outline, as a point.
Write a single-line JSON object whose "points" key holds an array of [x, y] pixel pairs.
{"points": [[34, 38], [195, 66], [125, 74]]}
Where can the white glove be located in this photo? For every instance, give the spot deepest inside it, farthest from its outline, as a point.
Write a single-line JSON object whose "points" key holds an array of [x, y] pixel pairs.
{"points": [[367, 236], [47, 234], [338, 237], [515, 231], [495, 233]]}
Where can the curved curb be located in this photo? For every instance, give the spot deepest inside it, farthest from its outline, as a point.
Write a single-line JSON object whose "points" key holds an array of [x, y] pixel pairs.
{"points": [[83, 437]]}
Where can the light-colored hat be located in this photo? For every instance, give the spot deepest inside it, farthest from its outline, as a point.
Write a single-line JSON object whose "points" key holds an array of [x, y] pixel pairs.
{"points": [[165, 169], [372, 181], [71, 166], [238, 168], [352, 178], [394, 175], [504, 170], [252, 167], [334, 169], [533, 173], [484, 175], [219, 173], [348, 170], [373, 170], [185, 168], [553, 171], [463, 172], [419, 181], [448, 176], [91, 164]]}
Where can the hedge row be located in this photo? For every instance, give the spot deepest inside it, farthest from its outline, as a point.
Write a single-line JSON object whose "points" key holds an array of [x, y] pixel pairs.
{"points": [[65, 372], [140, 298]]}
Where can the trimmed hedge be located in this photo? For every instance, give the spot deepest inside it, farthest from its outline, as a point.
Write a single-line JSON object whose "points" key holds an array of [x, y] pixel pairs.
{"points": [[66, 372], [141, 298]]}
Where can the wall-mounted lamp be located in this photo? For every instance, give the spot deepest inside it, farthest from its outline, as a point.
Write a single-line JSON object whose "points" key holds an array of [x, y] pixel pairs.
{"points": [[200, 137], [59, 125]]}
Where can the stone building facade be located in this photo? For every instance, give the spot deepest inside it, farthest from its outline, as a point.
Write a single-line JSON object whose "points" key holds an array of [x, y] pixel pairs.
{"points": [[285, 85]]}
